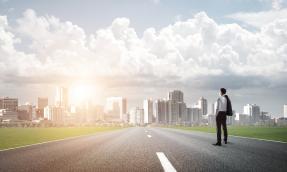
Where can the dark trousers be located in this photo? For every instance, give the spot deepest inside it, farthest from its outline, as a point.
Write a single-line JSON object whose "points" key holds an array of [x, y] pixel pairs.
{"points": [[221, 121]]}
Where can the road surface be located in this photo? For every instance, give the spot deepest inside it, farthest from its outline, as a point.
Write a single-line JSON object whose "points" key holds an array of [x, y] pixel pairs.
{"points": [[147, 149]]}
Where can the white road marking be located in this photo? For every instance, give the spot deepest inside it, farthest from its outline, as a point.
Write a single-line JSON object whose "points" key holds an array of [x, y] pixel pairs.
{"points": [[258, 139], [149, 136], [166, 165], [252, 138], [146, 131]]}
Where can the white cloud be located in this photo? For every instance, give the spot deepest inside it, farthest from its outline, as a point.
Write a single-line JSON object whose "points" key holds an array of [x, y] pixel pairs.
{"points": [[262, 18], [197, 50], [276, 4], [259, 19]]}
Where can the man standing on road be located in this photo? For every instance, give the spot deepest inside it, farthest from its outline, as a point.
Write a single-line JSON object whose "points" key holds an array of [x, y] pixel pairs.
{"points": [[223, 108]]}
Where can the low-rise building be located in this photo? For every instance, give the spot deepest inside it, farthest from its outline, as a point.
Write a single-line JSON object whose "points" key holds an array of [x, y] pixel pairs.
{"points": [[8, 116]]}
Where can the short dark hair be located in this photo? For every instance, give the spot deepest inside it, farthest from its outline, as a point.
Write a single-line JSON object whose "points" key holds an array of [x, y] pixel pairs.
{"points": [[223, 90]]}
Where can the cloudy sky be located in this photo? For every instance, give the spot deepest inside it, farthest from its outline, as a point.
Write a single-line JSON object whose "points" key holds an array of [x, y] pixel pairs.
{"points": [[144, 48]]}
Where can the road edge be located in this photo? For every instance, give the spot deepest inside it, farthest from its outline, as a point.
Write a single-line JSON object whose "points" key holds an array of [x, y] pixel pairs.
{"points": [[252, 138], [58, 140]]}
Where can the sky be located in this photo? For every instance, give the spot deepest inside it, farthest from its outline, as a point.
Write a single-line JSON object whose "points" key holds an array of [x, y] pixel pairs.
{"points": [[144, 48]]}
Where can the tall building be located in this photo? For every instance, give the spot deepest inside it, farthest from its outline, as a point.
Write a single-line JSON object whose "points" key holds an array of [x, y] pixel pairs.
{"points": [[176, 95], [54, 113], [42, 103], [176, 107], [196, 115], [202, 104], [253, 111], [132, 117], [116, 108], [140, 115], [182, 114], [148, 111], [188, 115], [10, 104], [136, 116], [62, 97], [285, 111], [213, 108], [173, 112], [160, 111]]}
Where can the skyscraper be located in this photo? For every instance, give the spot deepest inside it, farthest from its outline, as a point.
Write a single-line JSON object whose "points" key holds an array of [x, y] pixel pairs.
{"points": [[175, 95], [42, 103], [160, 111], [173, 112], [62, 97], [115, 108], [176, 106], [136, 116], [182, 112], [285, 110], [194, 115], [253, 111], [202, 104], [148, 111]]}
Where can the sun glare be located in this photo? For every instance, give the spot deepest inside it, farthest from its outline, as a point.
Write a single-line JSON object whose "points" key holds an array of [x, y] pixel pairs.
{"points": [[80, 93]]}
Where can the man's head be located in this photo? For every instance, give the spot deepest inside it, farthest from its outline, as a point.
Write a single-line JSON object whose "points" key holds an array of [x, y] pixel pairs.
{"points": [[222, 91]]}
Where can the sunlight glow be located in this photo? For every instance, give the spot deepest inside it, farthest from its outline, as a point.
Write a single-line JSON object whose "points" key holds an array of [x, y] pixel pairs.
{"points": [[81, 93]]}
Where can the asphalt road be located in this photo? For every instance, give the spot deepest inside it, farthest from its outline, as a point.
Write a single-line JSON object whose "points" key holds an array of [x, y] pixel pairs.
{"points": [[147, 149]]}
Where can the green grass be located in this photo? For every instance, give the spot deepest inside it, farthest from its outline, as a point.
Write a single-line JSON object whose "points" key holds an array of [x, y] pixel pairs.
{"points": [[269, 133], [14, 137]]}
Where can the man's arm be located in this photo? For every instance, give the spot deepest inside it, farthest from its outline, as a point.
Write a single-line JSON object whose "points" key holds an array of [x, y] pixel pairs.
{"points": [[216, 106]]}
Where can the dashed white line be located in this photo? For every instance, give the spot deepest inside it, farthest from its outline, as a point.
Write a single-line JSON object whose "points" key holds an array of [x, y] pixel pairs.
{"points": [[149, 136], [166, 165]]}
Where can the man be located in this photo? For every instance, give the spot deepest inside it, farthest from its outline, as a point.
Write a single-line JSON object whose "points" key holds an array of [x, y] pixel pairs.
{"points": [[223, 108]]}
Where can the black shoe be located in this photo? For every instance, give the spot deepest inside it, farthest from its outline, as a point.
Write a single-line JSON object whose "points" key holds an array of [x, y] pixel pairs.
{"points": [[217, 144], [225, 142]]}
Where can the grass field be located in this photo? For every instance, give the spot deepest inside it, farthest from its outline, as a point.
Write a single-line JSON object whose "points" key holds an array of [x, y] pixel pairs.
{"points": [[269, 133], [14, 137]]}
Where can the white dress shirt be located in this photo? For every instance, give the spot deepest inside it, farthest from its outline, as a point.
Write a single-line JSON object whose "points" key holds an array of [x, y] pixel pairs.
{"points": [[221, 104]]}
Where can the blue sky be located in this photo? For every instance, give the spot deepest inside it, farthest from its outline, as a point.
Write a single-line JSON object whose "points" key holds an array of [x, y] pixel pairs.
{"points": [[144, 48]]}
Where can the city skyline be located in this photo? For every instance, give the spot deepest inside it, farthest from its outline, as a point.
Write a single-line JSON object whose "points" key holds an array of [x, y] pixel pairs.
{"points": [[169, 110], [65, 97], [194, 46]]}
